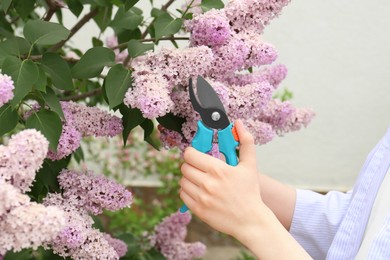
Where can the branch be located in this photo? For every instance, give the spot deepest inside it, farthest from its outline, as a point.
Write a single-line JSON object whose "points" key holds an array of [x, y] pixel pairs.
{"points": [[53, 7], [75, 29], [170, 38], [39, 57], [91, 93]]}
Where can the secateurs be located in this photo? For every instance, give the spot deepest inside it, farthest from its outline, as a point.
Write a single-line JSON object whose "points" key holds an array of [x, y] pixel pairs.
{"points": [[214, 117]]}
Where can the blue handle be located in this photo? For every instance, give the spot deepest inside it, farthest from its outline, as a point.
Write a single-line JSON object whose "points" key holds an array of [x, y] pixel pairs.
{"points": [[227, 145], [203, 142]]}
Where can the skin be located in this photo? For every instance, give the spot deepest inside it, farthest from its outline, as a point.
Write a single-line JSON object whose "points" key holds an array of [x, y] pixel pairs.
{"points": [[240, 202]]}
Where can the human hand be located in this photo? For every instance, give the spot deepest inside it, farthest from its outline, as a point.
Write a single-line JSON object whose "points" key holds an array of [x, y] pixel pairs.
{"points": [[223, 196]]}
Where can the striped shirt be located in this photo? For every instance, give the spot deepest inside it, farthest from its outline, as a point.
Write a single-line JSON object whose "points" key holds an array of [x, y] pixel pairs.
{"points": [[332, 226]]}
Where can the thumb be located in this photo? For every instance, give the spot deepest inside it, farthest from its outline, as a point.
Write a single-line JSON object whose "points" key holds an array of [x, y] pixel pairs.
{"points": [[247, 144]]}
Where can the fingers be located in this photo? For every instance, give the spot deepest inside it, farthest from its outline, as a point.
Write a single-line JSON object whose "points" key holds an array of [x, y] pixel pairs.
{"points": [[190, 202], [202, 161], [193, 174], [247, 145], [189, 188]]}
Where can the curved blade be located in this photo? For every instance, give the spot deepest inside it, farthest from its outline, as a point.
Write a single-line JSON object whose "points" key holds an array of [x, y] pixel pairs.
{"points": [[207, 95], [207, 104]]}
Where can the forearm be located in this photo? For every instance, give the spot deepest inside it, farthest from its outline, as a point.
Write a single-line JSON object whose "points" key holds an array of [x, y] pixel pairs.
{"points": [[268, 239], [280, 198]]}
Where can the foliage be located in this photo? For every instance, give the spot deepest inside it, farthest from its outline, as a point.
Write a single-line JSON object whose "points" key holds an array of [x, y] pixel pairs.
{"points": [[116, 86]]}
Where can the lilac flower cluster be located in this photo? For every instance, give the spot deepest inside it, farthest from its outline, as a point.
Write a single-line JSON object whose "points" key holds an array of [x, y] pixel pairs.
{"points": [[81, 121], [156, 74], [84, 194], [23, 156], [169, 238], [24, 224], [78, 239], [95, 192], [6, 89]]}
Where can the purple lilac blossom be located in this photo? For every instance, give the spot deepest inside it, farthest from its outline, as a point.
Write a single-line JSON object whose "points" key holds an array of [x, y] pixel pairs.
{"points": [[92, 121], [78, 239], [169, 238], [211, 28], [253, 15], [95, 192], [23, 156], [29, 226], [119, 246], [156, 74], [6, 89], [69, 142]]}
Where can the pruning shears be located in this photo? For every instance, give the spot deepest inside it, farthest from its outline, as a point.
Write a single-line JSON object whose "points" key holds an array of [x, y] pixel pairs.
{"points": [[213, 115]]}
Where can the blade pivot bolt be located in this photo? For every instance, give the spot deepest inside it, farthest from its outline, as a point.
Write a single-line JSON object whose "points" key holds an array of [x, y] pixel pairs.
{"points": [[215, 116]]}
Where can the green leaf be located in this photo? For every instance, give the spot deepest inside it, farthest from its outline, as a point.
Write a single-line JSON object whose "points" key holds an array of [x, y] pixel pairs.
{"points": [[8, 118], [53, 102], [148, 127], [41, 82], [117, 82], [75, 7], [78, 155], [157, 12], [25, 254], [49, 124], [58, 70], [133, 246], [96, 42], [126, 20], [92, 62], [127, 35], [137, 48], [103, 17], [46, 33], [15, 46], [23, 73], [5, 4], [172, 122], [24, 8], [131, 117], [129, 4], [206, 5], [165, 25]]}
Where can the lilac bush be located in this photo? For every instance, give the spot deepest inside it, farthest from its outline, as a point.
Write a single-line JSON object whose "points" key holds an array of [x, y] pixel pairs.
{"points": [[53, 95]]}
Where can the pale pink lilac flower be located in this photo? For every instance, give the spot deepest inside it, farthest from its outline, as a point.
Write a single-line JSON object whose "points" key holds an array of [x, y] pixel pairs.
{"points": [[262, 132], [6, 89], [23, 156], [29, 226], [78, 239], [95, 192], [92, 121], [253, 15], [260, 52], [248, 101], [119, 246], [69, 142], [169, 238], [211, 28], [158, 73], [229, 58], [274, 74], [151, 96], [10, 198]]}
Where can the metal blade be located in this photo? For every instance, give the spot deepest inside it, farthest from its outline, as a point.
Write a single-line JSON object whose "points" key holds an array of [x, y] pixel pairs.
{"points": [[195, 103], [207, 96]]}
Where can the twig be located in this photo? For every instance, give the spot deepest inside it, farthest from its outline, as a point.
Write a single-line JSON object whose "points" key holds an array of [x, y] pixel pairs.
{"points": [[75, 29], [170, 38], [84, 95], [52, 9]]}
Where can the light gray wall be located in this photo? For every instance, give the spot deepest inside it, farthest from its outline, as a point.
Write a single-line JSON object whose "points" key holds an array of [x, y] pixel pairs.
{"points": [[338, 55]]}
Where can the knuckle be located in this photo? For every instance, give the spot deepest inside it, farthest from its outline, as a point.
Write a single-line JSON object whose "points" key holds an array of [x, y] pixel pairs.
{"points": [[209, 187], [205, 200]]}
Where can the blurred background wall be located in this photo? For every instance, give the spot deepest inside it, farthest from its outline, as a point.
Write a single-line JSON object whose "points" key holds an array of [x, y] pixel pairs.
{"points": [[338, 56]]}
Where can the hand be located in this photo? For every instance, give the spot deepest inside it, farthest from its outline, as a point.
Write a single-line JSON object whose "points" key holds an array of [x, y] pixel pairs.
{"points": [[223, 196]]}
